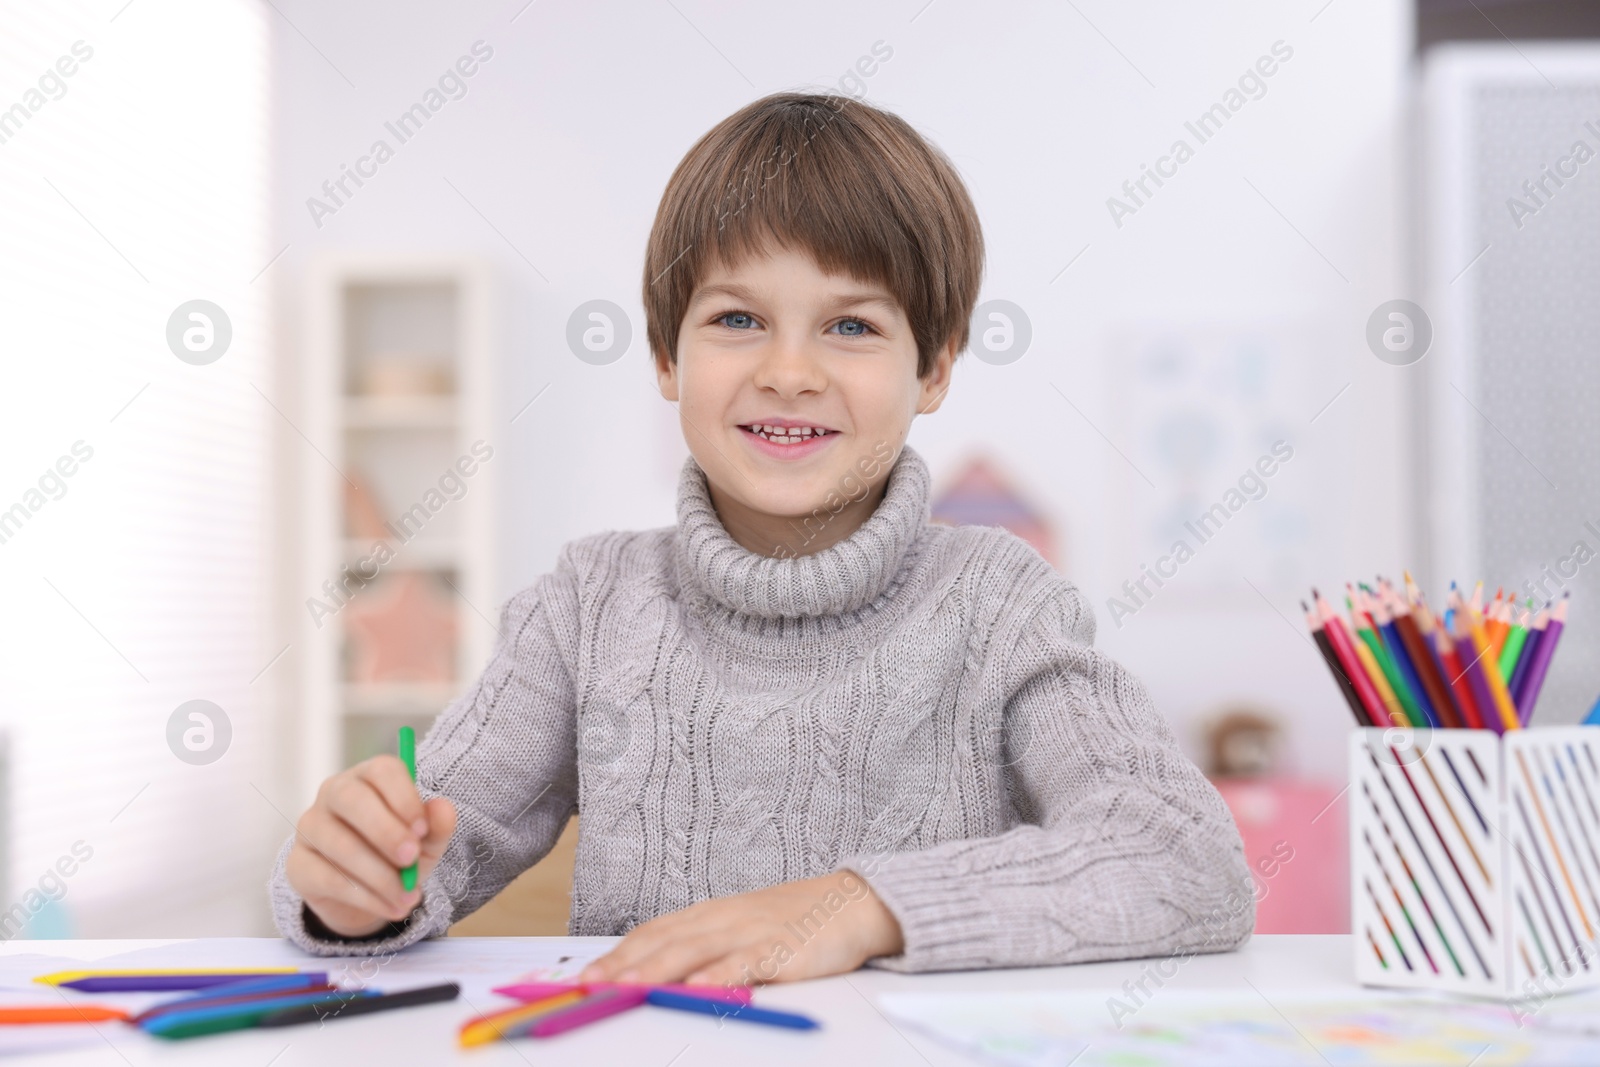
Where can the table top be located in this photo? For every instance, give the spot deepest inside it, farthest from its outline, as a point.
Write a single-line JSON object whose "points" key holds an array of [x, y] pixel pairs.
{"points": [[853, 1029]]}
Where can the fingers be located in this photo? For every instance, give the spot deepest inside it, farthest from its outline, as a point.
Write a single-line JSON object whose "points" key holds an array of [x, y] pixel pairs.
{"points": [[732, 969], [368, 823], [363, 877], [441, 816], [355, 799], [634, 946], [391, 781], [665, 949]]}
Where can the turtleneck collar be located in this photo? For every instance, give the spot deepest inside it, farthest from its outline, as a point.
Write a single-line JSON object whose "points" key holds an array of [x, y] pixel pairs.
{"points": [[835, 581]]}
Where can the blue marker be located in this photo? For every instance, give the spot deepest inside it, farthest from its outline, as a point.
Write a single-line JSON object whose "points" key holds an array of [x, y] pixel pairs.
{"points": [[725, 1010]]}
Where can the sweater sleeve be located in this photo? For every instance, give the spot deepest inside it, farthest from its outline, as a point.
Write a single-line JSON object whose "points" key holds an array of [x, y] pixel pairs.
{"points": [[1124, 849], [505, 753]]}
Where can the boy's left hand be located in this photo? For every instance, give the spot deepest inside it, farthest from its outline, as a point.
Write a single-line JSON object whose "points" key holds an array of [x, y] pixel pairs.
{"points": [[757, 937]]}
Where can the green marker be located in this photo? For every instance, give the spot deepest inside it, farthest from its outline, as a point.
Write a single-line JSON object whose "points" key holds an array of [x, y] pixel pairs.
{"points": [[408, 756]]}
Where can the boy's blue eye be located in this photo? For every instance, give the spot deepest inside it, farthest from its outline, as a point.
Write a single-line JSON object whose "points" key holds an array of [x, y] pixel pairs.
{"points": [[737, 320], [853, 327]]}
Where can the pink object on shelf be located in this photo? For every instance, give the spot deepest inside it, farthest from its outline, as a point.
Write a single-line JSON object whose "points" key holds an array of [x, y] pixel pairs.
{"points": [[402, 629], [1296, 844]]}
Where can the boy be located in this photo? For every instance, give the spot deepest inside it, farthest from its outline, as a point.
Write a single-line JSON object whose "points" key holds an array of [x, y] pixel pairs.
{"points": [[805, 728]]}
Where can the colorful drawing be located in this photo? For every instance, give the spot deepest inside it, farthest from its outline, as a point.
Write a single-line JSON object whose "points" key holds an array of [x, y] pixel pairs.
{"points": [[1183, 1028]]}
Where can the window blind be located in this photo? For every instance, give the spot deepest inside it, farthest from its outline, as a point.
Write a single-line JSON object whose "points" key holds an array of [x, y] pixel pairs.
{"points": [[133, 179]]}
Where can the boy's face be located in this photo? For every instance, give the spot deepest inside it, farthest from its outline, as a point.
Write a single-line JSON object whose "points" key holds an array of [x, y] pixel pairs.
{"points": [[778, 344]]}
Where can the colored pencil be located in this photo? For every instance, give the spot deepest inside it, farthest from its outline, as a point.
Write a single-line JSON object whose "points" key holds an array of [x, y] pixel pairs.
{"points": [[1479, 644], [1515, 637], [1425, 661], [1477, 666], [1497, 624], [1444, 843], [1460, 687], [1376, 950], [1387, 925], [1411, 876], [1346, 653], [1530, 648], [1555, 849], [1425, 715], [1340, 676], [1393, 712], [1533, 681], [1405, 912], [1373, 636], [1477, 684]]}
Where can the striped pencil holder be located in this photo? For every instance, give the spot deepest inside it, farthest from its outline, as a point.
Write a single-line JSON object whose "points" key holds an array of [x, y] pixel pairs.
{"points": [[1475, 859]]}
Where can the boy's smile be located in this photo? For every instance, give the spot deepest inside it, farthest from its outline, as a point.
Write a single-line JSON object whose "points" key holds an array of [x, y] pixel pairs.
{"points": [[796, 388], [786, 439]]}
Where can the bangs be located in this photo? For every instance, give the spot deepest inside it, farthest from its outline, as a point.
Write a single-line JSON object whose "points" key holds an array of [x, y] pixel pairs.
{"points": [[856, 188]]}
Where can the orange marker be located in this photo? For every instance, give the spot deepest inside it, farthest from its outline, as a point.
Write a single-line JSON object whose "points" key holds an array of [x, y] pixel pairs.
{"points": [[57, 1013]]}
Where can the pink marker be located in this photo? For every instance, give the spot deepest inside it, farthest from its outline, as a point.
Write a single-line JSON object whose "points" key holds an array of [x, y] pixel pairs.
{"points": [[598, 1005], [531, 991]]}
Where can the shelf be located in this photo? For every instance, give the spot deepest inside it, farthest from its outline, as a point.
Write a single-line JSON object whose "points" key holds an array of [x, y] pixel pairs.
{"points": [[420, 553], [398, 698], [399, 375], [400, 412]]}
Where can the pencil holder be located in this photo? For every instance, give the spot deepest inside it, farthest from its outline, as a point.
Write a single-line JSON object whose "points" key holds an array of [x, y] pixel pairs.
{"points": [[1473, 859]]}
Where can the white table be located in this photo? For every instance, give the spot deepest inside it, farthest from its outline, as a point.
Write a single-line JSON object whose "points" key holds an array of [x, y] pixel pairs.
{"points": [[853, 1030]]}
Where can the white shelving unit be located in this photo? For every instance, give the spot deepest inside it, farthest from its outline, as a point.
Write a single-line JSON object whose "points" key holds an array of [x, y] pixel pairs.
{"points": [[398, 383]]}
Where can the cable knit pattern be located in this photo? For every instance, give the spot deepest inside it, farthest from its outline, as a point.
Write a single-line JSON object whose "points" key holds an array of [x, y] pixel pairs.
{"points": [[920, 704]]}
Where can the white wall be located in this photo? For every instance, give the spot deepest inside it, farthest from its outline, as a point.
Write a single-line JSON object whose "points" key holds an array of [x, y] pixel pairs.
{"points": [[567, 136]]}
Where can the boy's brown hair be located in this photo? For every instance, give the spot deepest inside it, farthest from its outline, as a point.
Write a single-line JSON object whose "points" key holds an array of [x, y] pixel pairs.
{"points": [[853, 185]]}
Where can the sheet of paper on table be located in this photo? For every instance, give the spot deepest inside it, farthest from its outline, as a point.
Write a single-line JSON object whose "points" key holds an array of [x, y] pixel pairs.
{"points": [[1193, 1029]]}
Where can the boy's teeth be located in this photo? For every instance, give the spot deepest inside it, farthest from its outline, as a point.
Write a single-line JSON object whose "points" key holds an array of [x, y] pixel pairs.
{"points": [[787, 435]]}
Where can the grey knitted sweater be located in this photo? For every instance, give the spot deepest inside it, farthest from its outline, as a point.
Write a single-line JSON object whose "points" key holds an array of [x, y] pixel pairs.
{"points": [[920, 704]]}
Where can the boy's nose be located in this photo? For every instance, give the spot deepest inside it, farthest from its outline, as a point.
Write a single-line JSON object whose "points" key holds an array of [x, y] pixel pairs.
{"points": [[790, 368]]}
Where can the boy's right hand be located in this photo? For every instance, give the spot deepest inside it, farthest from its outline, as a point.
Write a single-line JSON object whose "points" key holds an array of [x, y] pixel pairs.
{"points": [[366, 824]]}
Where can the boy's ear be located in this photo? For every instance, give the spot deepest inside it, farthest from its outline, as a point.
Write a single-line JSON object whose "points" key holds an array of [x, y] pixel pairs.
{"points": [[937, 383], [667, 378]]}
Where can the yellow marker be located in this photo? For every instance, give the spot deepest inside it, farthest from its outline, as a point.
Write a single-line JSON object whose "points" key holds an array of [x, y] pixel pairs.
{"points": [[58, 977], [487, 1028]]}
